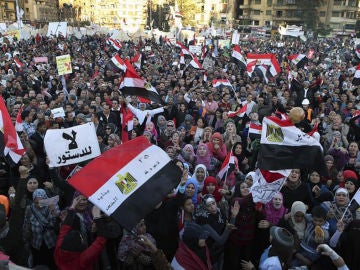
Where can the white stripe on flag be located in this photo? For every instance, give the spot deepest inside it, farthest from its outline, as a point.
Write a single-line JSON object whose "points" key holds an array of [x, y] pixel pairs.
{"points": [[133, 82], [109, 196], [357, 196]]}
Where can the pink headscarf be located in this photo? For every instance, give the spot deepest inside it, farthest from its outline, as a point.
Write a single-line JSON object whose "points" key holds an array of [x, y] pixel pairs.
{"points": [[153, 130], [203, 159], [272, 214]]}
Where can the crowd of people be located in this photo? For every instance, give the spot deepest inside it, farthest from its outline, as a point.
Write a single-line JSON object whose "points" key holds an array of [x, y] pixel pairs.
{"points": [[207, 222]]}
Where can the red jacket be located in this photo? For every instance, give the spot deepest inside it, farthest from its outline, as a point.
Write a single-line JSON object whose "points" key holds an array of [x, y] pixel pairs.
{"points": [[68, 260]]}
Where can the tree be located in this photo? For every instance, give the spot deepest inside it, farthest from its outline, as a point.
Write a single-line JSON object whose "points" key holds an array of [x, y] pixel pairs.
{"points": [[188, 8]]}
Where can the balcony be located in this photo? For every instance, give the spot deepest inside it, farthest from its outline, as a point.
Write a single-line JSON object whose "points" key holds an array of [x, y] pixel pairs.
{"points": [[247, 6], [344, 8]]}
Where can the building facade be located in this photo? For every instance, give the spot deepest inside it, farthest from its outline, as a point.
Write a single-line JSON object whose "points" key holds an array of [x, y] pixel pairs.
{"points": [[340, 15]]}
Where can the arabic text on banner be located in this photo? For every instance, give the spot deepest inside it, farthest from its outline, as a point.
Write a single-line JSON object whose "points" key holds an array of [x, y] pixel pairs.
{"points": [[63, 64], [71, 145]]}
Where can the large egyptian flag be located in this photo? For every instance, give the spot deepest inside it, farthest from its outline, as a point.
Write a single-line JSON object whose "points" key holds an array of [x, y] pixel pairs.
{"points": [[128, 181], [238, 57], [11, 147], [284, 146], [132, 84]]}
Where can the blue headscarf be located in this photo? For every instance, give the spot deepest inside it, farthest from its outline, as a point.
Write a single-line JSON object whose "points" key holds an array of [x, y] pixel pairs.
{"points": [[194, 182]]}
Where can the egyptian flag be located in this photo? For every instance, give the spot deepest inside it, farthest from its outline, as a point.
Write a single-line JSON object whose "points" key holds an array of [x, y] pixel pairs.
{"points": [[284, 146], [356, 80], [132, 84], [238, 57], [11, 147], [205, 76], [128, 181], [266, 184], [310, 54], [195, 63], [357, 51], [217, 83], [204, 51], [184, 50], [298, 59], [136, 60], [116, 44], [19, 64], [168, 42], [264, 59], [255, 131], [18, 124], [239, 113], [117, 64], [226, 167]]}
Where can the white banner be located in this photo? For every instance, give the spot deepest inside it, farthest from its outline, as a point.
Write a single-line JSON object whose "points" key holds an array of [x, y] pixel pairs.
{"points": [[264, 190], [195, 49], [57, 28], [71, 145]]}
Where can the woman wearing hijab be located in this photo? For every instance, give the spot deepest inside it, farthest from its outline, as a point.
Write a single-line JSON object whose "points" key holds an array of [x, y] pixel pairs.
{"points": [[230, 136], [151, 127], [238, 152], [217, 147], [206, 136], [40, 229], [211, 187], [203, 156], [275, 210], [200, 173], [295, 222], [338, 210], [318, 191], [113, 140], [187, 155], [196, 132]]}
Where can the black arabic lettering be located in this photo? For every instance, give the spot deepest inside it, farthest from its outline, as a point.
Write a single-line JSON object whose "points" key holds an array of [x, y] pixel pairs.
{"points": [[299, 138]]}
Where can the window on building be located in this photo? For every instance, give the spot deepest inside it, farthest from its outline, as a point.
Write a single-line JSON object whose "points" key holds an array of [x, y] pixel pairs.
{"points": [[257, 2], [267, 23], [256, 12], [352, 3], [268, 12], [256, 23], [269, 2], [338, 3], [336, 14], [280, 2], [279, 13], [322, 13], [291, 2]]}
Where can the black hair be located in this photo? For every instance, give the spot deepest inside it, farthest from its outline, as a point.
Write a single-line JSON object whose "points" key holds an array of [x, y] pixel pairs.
{"points": [[319, 212]]}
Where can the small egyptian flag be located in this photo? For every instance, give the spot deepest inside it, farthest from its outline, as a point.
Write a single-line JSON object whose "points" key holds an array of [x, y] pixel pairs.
{"points": [[128, 181]]}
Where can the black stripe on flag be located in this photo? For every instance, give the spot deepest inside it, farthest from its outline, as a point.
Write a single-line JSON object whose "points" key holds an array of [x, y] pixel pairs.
{"points": [[142, 92], [279, 157]]}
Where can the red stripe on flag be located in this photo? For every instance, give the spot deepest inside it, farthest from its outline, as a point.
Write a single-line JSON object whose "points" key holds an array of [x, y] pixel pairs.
{"points": [[102, 168]]}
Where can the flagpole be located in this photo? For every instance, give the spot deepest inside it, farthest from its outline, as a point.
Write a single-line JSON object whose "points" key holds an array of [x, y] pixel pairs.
{"points": [[18, 17]]}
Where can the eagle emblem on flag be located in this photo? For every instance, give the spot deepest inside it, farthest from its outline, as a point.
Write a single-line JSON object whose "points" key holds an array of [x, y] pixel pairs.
{"points": [[126, 183], [274, 134]]}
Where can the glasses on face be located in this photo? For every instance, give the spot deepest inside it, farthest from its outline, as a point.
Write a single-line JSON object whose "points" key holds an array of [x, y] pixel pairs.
{"points": [[108, 128], [170, 125]]}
